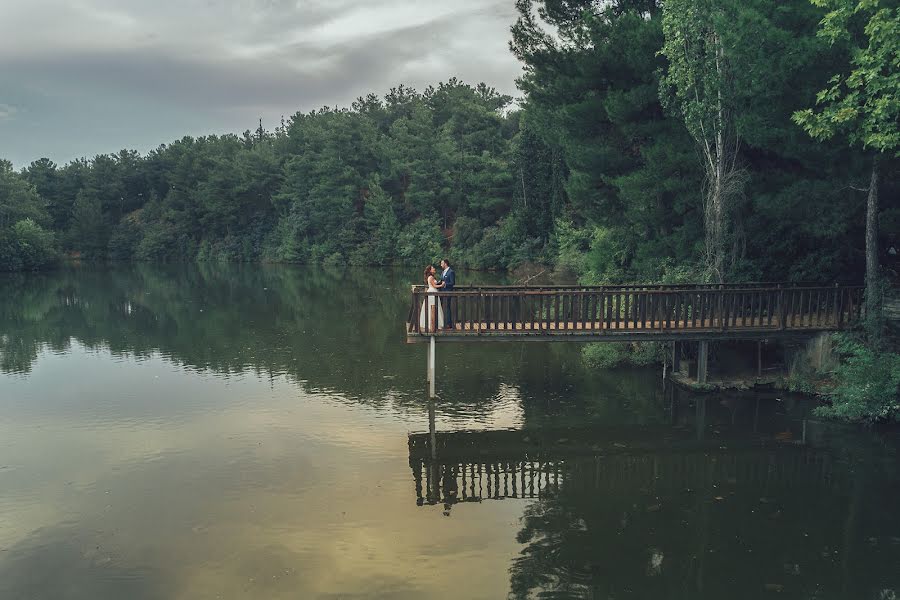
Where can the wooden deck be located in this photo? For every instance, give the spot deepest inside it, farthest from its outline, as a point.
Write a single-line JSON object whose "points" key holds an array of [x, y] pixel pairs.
{"points": [[632, 313]]}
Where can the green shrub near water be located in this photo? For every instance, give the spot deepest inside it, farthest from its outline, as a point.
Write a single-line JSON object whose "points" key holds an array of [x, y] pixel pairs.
{"points": [[26, 246], [609, 355], [866, 384]]}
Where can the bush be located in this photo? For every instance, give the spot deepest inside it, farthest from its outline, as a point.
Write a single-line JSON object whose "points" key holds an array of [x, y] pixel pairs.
{"points": [[609, 355], [866, 384], [160, 243], [571, 245], [27, 246], [124, 240], [283, 243], [421, 242]]}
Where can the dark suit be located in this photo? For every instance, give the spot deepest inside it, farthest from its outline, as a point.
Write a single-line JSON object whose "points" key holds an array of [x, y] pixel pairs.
{"points": [[449, 279]]}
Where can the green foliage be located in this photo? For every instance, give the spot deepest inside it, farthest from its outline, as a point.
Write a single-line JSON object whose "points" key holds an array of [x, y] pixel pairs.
{"points": [[18, 199], [610, 355], [25, 244], [588, 173], [421, 241], [866, 384], [864, 103], [571, 245]]}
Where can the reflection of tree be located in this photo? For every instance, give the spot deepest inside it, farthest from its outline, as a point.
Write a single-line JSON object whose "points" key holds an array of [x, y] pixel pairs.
{"points": [[728, 537], [328, 330]]}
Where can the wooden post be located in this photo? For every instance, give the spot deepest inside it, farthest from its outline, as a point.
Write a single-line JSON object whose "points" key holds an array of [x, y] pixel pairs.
{"points": [[676, 358], [702, 358]]}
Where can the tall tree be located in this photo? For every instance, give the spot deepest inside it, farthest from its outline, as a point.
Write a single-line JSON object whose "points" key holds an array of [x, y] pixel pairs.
{"points": [[698, 86], [864, 103]]}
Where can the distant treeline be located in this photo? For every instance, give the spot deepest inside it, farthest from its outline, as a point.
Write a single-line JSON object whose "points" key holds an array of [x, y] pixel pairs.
{"points": [[601, 168]]}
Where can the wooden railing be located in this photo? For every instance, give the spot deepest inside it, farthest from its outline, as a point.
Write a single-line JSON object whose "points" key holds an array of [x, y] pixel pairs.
{"points": [[612, 310]]}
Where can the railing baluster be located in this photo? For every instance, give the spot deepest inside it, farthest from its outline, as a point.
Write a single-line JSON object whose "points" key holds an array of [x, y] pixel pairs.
{"points": [[818, 308], [610, 309], [809, 308], [616, 308], [840, 310], [556, 301]]}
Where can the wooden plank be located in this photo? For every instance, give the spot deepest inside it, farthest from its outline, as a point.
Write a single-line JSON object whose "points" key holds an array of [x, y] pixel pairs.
{"points": [[840, 310], [608, 309], [689, 313], [585, 309], [736, 298], [633, 305], [760, 300], [618, 308], [680, 317], [747, 309], [489, 318], [556, 310], [641, 299], [507, 319], [549, 301], [809, 308], [701, 303], [822, 299], [517, 302]]}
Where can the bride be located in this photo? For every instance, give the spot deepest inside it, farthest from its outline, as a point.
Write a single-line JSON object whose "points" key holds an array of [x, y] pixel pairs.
{"points": [[431, 317]]}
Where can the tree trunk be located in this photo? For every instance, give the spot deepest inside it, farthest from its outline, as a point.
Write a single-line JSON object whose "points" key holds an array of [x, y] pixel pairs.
{"points": [[873, 289]]}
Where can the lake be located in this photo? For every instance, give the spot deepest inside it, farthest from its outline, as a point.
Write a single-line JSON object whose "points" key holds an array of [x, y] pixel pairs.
{"points": [[254, 431]]}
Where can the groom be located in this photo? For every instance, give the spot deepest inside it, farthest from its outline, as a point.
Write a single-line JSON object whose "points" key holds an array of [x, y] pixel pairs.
{"points": [[448, 277]]}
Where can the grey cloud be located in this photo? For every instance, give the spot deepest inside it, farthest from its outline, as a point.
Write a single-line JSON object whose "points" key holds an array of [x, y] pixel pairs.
{"points": [[132, 72]]}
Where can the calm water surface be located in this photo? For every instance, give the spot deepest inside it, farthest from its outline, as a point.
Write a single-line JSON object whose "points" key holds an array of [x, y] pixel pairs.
{"points": [[261, 432]]}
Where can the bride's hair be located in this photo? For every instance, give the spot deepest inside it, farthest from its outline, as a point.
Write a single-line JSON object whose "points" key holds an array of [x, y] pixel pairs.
{"points": [[427, 272]]}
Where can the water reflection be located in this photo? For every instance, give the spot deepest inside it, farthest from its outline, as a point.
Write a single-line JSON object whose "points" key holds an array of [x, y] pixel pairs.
{"points": [[234, 431], [727, 500]]}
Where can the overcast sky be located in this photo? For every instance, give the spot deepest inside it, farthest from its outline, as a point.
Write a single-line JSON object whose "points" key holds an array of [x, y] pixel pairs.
{"points": [[83, 77]]}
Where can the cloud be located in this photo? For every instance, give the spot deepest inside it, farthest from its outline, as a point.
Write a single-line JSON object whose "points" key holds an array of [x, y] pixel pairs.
{"points": [[7, 111], [135, 74]]}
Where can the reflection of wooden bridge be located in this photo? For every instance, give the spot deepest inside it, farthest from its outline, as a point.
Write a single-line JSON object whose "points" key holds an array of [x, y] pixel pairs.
{"points": [[476, 466], [628, 313]]}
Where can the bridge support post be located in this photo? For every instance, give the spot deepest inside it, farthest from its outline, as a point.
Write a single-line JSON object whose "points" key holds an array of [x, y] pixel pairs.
{"points": [[702, 362], [676, 358], [431, 363]]}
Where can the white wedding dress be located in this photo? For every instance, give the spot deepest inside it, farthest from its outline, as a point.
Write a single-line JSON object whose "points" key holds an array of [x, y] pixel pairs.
{"points": [[425, 313]]}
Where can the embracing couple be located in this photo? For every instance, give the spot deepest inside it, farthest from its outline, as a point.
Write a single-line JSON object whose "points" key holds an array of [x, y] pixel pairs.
{"points": [[438, 315]]}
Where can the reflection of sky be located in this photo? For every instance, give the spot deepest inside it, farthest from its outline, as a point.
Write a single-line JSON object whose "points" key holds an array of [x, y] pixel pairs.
{"points": [[143, 475], [504, 412]]}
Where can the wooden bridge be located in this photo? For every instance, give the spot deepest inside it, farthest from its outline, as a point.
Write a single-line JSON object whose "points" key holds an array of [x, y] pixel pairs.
{"points": [[634, 313], [667, 313]]}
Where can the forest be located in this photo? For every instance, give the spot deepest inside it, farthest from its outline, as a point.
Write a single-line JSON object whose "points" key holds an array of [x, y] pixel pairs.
{"points": [[654, 141]]}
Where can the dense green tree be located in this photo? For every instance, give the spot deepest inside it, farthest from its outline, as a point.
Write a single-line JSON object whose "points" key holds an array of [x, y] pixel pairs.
{"points": [[863, 104], [25, 244], [698, 86]]}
